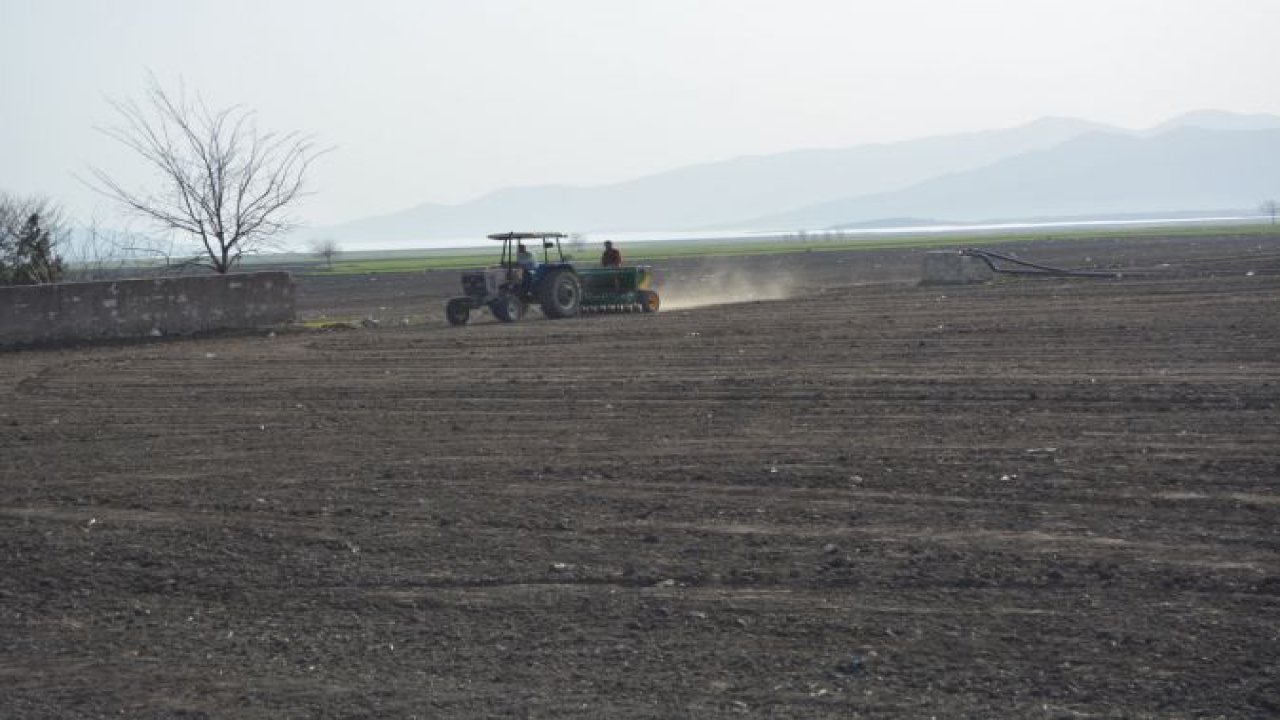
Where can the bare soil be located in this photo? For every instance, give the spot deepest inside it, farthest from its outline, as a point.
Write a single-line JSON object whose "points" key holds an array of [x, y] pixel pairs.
{"points": [[1045, 497]]}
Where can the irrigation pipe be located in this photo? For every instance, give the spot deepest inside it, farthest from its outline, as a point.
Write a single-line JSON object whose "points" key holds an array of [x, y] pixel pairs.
{"points": [[1030, 268]]}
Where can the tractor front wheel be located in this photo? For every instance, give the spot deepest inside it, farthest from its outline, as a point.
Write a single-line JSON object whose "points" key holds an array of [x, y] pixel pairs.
{"points": [[561, 294], [458, 311]]}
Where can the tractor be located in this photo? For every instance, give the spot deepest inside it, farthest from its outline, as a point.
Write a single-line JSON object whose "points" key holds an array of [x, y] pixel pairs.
{"points": [[552, 283]]}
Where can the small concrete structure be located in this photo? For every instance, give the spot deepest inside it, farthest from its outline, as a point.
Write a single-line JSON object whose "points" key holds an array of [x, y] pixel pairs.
{"points": [[68, 312], [948, 267]]}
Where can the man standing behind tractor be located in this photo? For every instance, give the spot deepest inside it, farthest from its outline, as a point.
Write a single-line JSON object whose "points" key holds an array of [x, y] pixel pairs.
{"points": [[611, 256]]}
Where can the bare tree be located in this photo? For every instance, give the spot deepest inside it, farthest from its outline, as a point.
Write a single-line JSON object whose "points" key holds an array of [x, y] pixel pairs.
{"points": [[32, 229], [1272, 208], [221, 180], [326, 248]]}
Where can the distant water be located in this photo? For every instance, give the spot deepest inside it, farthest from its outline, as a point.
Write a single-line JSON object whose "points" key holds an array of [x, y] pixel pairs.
{"points": [[630, 237]]}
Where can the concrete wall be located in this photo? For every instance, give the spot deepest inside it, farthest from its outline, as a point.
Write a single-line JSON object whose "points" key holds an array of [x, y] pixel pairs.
{"points": [[948, 267], [143, 308]]}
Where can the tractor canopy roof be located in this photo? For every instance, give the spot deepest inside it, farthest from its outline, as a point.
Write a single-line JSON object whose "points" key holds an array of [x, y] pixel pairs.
{"points": [[506, 236]]}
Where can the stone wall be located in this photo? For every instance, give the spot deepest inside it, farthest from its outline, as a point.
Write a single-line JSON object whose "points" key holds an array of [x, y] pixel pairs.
{"points": [[68, 312]]}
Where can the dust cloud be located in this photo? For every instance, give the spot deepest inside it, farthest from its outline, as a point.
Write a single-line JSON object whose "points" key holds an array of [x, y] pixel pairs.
{"points": [[725, 287]]}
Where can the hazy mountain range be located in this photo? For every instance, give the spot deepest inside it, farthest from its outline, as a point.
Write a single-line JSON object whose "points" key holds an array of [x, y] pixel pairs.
{"points": [[1207, 161]]}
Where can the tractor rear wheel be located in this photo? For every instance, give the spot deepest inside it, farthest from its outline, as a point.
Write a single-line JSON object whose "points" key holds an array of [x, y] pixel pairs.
{"points": [[458, 311], [561, 294], [508, 308], [649, 301]]}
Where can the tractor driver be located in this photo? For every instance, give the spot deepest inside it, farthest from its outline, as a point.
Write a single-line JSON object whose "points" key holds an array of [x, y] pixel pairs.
{"points": [[525, 259], [611, 256], [528, 264]]}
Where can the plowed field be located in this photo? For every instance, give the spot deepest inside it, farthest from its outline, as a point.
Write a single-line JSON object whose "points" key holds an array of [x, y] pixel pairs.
{"points": [[1036, 498]]}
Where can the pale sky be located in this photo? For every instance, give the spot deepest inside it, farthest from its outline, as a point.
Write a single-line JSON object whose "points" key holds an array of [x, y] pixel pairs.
{"points": [[442, 101]]}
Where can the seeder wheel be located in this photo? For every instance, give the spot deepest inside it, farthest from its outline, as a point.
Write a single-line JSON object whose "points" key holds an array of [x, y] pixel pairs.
{"points": [[649, 301]]}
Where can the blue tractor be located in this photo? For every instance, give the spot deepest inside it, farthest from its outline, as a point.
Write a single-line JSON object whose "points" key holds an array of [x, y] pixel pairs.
{"points": [[508, 289]]}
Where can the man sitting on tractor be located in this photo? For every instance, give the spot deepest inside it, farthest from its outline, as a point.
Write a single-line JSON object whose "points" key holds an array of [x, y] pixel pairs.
{"points": [[527, 263], [611, 256]]}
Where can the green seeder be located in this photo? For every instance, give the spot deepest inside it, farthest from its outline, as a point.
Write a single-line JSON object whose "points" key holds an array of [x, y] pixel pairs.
{"points": [[624, 289]]}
